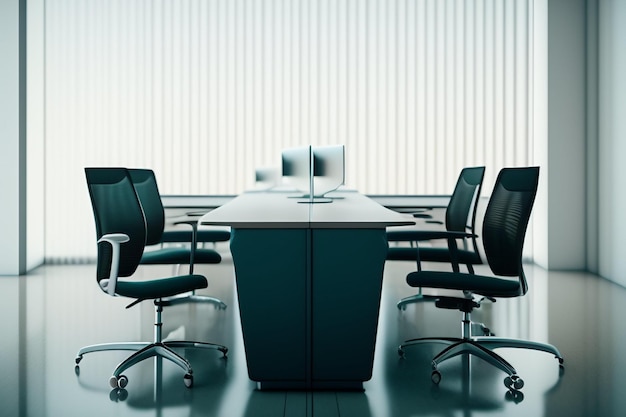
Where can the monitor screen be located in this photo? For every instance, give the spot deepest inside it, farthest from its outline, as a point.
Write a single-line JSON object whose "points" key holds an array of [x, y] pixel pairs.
{"points": [[267, 178], [297, 168], [328, 169]]}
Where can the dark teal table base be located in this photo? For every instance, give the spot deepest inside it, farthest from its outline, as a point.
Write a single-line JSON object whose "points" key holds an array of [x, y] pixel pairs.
{"points": [[309, 301]]}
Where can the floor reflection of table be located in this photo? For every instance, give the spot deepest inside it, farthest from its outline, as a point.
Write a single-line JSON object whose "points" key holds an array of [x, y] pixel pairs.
{"points": [[309, 279]]}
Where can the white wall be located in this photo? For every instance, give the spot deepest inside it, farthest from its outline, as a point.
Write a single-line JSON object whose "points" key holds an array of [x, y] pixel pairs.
{"points": [[21, 134], [35, 145], [561, 210], [612, 139], [10, 131], [539, 219], [593, 161]]}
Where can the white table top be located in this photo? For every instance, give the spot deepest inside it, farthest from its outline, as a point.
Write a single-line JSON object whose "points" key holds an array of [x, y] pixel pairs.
{"points": [[348, 210]]}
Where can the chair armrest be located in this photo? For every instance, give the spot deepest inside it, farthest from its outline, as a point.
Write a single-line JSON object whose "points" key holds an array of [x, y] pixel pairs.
{"points": [[418, 235], [114, 239], [194, 239], [193, 222], [197, 213]]}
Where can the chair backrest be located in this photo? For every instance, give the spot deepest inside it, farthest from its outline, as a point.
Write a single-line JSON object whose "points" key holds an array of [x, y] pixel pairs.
{"points": [[506, 221], [147, 190], [116, 209], [465, 198]]}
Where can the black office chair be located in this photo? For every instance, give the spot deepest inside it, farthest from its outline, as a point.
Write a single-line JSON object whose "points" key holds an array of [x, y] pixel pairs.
{"points": [[121, 233], [460, 217], [504, 228], [147, 190]]}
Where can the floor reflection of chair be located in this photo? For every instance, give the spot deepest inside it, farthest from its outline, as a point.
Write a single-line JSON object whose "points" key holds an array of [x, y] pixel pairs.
{"points": [[470, 391], [166, 394], [469, 397]]}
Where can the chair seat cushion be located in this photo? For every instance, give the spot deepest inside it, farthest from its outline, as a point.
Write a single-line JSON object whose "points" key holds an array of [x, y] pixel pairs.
{"points": [[479, 284], [182, 236], [429, 254], [173, 256], [162, 287]]}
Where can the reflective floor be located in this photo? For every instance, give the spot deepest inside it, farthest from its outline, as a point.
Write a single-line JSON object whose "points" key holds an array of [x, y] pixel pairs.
{"points": [[52, 312]]}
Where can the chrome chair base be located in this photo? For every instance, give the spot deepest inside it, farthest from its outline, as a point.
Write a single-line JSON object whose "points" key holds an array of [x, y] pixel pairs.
{"points": [[416, 298], [145, 350], [481, 347], [194, 298]]}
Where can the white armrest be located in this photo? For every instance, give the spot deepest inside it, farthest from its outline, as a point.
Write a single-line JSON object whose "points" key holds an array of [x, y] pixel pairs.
{"points": [[114, 239]]}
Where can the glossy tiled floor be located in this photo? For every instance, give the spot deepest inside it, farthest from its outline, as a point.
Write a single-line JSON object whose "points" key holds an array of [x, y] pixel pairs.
{"points": [[52, 312]]}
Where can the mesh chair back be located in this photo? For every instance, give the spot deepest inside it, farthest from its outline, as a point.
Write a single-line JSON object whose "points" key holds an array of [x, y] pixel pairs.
{"points": [[506, 220], [464, 198], [116, 209], [147, 190]]}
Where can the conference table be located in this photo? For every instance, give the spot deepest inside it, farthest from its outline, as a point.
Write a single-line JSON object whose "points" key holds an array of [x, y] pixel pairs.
{"points": [[308, 279]]}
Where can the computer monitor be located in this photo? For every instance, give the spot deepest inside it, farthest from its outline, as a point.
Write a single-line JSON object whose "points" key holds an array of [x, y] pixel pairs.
{"points": [[267, 178], [297, 169], [328, 169]]}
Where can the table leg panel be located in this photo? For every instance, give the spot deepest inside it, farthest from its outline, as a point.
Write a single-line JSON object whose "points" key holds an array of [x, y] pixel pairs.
{"points": [[346, 287], [269, 268]]}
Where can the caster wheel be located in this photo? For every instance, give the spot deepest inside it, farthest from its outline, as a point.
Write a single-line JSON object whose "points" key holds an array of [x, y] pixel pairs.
{"points": [[514, 382], [514, 396], [188, 380], [435, 377], [118, 395], [401, 352], [118, 382], [77, 370], [435, 392], [78, 359], [224, 353]]}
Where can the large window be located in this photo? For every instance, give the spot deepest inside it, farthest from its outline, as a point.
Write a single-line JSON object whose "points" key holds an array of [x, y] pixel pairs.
{"points": [[205, 91]]}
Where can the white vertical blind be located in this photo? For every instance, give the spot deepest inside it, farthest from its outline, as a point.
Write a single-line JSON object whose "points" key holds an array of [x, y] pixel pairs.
{"points": [[205, 91]]}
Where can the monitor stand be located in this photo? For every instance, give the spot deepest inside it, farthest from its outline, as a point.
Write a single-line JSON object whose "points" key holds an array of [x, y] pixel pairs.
{"points": [[315, 200], [306, 199]]}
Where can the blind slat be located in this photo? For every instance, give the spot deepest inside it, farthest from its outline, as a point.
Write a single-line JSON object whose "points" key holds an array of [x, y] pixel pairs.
{"points": [[205, 91]]}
